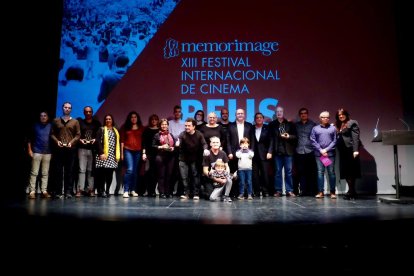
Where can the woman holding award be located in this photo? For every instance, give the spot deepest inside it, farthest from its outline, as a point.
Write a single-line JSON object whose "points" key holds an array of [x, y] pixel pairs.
{"points": [[164, 143]]}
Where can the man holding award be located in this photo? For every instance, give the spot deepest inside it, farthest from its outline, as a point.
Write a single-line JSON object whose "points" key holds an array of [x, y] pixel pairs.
{"points": [[65, 134], [282, 146], [88, 129]]}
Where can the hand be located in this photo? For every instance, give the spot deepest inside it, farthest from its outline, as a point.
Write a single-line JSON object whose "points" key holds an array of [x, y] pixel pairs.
{"points": [[356, 153], [83, 141], [231, 156], [268, 156], [60, 144], [206, 152], [144, 157], [92, 141], [285, 135]]}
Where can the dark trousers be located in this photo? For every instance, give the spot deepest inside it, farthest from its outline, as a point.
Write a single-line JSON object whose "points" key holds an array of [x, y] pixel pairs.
{"points": [[176, 178], [305, 177], [103, 176], [64, 162], [261, 176]]}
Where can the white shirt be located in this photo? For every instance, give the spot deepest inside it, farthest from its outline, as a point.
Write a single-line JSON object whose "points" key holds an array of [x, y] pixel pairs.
{"points": [[240, 130], [258, 132]]}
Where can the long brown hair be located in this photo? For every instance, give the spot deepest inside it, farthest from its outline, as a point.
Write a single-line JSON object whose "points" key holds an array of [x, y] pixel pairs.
{"points": [[338, 122]]}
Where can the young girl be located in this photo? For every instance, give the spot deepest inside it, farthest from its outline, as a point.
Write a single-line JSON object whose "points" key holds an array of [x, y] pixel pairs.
{"points": [[221, 178]]}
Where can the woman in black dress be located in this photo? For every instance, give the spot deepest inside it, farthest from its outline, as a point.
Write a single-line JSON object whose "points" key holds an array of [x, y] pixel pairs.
{"points": [[348, 144]]}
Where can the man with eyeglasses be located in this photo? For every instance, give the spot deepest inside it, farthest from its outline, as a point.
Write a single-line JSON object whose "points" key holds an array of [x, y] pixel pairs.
{"points": [[323, 137], [237, 131]]}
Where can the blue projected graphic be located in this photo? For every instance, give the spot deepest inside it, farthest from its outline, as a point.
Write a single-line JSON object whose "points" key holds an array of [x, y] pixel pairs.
{"points": [[100, 40]]}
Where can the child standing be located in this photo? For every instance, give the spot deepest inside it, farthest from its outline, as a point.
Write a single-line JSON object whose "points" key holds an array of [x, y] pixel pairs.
{"points": [[245, 156]]}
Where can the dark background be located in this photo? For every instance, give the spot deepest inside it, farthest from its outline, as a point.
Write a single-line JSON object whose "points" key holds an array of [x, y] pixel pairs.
{"points": [[34, 67], [31, 64], [33, 40]]}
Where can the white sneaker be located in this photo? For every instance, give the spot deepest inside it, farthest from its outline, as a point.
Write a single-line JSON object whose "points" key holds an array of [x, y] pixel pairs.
{"points": [[125, 195], [227, 199], [196, 198], [134, 194]]}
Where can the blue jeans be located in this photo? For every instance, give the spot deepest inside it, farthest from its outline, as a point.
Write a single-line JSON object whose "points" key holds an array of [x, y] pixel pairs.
{"points": [[132, 158], [245, 180], [321, 174], [286, 162]]}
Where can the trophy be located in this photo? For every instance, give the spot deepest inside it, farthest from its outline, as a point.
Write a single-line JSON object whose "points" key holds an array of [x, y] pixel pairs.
{"points": [[282, 130], [64, 141], [88, 137]]}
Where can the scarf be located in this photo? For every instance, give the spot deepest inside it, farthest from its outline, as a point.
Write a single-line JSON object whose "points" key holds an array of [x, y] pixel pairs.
{"points": [[165, 135], [106, 143]]}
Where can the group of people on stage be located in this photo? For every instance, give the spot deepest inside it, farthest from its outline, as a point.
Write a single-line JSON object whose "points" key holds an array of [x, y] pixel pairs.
{"points": [[194, 158]]}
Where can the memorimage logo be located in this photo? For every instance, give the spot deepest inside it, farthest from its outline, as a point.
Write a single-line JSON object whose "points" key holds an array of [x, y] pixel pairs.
{"points": [[171, 48]]}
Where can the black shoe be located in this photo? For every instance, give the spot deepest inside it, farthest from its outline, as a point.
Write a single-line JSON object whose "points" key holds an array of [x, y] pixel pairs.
{"points": [[349, 196]]}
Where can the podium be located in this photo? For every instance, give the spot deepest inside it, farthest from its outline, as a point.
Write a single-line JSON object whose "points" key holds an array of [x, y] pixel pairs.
{"points": [[395, 138]]}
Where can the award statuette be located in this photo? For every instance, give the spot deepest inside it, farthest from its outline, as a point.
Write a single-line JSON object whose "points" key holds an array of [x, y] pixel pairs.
{"points": [[64, 142], [282, 129], [88, 136]]}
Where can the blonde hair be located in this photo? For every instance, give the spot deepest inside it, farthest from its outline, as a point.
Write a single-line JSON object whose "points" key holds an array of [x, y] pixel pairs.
{"points": [[220, 163]]}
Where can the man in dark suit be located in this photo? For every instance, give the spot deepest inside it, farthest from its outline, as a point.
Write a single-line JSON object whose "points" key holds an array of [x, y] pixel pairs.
{"points": [[262, 155], [283, 144], [236, 131]]}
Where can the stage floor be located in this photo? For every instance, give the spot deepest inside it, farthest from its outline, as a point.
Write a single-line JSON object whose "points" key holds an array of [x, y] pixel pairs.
{"points": [[267, 210], [304, 232]]}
